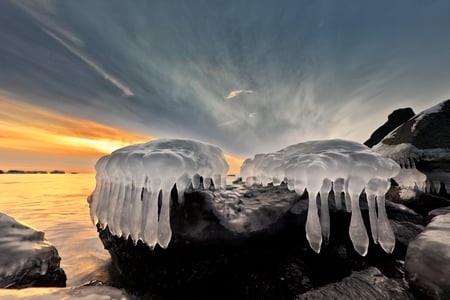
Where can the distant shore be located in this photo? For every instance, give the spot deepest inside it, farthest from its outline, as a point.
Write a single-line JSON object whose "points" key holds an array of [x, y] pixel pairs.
{"points": [[35, 172]]}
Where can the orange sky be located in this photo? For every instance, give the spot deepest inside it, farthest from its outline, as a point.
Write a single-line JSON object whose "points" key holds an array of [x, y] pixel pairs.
{"points": [[32, 138]]}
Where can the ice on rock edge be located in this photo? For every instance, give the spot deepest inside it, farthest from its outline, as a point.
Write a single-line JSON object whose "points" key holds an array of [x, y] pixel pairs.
{"points": [[131, 181], [349, 168]]}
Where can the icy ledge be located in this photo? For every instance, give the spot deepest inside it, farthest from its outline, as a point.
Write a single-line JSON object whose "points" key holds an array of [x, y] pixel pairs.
{"points": [[134, 184], [344, 167]]}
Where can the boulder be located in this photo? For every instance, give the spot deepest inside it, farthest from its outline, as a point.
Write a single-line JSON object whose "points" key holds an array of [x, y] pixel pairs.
{"points": [[422, 148], [27, 258], [395, 119], [367, 284], [427, 260], [253, 240], [78, 293]]}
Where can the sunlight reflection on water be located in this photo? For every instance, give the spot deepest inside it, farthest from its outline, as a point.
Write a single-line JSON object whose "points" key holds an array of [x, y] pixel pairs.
{"points": [[56, 204]]}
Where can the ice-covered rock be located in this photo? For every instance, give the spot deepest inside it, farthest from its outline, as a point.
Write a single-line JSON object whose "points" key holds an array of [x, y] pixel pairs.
{"points": [[344, 167], [134, 186], [421, 146], [253, 239], [79, 293], [427, 260], [26, 257]]}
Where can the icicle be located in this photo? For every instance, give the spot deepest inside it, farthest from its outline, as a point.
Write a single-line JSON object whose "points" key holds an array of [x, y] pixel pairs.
{"points": [[151, 225], [313, 229], [196, 181], [126, 210], [371, 189], [357, 231], [207, 182], [338, 187], [386, 236], [324, 214], [164, 231]]}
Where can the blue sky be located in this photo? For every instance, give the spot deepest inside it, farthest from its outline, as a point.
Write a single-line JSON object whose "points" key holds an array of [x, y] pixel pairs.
{"points": [[249, 76]]}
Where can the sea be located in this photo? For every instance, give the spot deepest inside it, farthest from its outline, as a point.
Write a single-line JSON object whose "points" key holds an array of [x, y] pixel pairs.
{"points": [[57, 205]]}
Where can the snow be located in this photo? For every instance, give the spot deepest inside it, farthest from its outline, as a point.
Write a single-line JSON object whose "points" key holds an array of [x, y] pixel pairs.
{"points": [[406, 155], [132, 180], [320, 165], [432, 110]]}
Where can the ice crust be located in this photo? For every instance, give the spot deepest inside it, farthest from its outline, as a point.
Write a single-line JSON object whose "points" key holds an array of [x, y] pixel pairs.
{"points": [[348, 168], [132, 181]]}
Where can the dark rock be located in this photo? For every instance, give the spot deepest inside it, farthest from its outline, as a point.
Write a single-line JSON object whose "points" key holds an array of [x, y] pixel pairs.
{"points": [[27, 258], [422, 203], [405, 232], [400, 212], [366, 284], [262, 253], [427, 261], [395, 119], [426, 130]]}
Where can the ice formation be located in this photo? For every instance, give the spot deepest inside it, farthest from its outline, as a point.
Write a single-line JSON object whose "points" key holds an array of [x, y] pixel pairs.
{"points": [[348, 168], [132, 181]]}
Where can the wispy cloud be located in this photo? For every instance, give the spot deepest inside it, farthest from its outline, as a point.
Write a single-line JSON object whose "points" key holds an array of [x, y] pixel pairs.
{"points": [[236, 93], [126, 90]]}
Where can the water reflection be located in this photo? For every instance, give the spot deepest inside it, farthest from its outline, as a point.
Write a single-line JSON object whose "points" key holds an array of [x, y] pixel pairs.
{"points": [[57, 205]]}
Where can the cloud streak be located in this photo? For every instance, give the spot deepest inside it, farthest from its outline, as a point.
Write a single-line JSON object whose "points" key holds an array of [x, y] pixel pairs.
{"points": [[236, 93]]}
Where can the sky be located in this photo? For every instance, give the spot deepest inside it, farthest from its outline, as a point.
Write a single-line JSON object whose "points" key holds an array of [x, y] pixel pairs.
{"points": [[79, 79]]}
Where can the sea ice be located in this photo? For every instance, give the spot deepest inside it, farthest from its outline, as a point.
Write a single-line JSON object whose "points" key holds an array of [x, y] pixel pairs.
{"points": [[134, 184], [320, 166]]}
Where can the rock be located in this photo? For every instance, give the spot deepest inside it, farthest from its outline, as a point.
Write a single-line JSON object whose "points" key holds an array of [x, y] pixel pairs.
{"points": [[78, 293], [232, 215], [422, 148], [427, 260], [366, 284], [437, 212], [259, 248], [422, 203], [395, 119], [27, 258], [400, 212], [405, 232]]}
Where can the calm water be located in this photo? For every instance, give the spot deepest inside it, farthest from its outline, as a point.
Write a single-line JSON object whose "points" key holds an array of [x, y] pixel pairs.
{"points": [[56, 204]]}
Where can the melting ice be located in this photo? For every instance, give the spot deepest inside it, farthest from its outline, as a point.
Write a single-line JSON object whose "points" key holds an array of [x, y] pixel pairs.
{"points": [[131, 181], [348, 168]]}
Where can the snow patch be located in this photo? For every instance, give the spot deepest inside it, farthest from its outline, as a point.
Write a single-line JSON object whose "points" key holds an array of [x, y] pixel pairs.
{"points": [[432, 110]]}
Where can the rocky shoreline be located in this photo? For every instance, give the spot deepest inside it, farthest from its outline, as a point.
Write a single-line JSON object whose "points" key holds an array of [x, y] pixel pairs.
{"points": [[274, 261]]}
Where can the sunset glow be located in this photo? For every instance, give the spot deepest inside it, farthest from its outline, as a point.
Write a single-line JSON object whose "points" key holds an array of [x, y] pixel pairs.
{"points": [[32, 138]]}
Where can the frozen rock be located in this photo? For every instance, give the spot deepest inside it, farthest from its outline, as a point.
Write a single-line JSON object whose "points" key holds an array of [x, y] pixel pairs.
{"points": [[421, 146], [26, 257], [134, 184], [331, 167], [427, 260], [79, 293]]}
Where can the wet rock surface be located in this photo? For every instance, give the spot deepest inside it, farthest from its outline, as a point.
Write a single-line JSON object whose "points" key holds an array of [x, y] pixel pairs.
{"points": [[78, 293], [428, 259], [264, 255], [26, 257]]}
